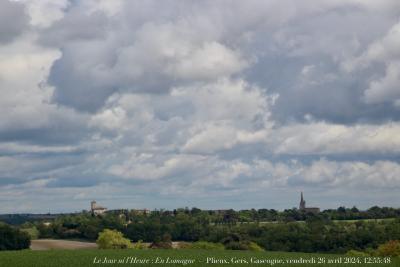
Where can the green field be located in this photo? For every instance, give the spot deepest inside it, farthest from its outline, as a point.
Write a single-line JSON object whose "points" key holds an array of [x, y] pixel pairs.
{"points": [[74, 258]]}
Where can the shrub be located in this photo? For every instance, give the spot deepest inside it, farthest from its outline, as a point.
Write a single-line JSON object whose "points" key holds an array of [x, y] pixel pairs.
{"points": [[254, 247], [164, 243], [207, 245], [356, 253], [112, 239], [371, 252], [390, 248], [33, 232], [236, 245], [13, 239], [139, 245], [46, 231]]}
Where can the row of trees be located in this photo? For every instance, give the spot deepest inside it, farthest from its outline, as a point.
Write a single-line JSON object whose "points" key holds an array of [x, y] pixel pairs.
{"points": [[231, 216], [318, 233], [268, 215]]}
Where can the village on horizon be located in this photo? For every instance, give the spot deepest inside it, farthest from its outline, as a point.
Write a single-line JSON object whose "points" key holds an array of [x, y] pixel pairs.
{"points": [[96, 209]]}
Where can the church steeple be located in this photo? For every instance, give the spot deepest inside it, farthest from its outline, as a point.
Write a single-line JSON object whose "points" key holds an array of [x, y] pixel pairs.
{"points": [[302, 205]]}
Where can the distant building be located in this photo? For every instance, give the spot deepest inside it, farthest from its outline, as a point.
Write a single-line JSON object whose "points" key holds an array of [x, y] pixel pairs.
{"points": [[303, 207], [96, 209]]}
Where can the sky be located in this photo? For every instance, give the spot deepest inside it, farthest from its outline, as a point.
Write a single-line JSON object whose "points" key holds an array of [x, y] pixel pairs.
{"points": [[208, 104]]}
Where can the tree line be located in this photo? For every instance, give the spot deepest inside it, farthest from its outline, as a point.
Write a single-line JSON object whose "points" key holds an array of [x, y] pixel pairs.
{"points": [[289, 230]]}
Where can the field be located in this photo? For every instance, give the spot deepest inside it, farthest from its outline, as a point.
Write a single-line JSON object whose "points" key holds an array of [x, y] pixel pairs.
{"points": [[46, 244], [94, 257]]}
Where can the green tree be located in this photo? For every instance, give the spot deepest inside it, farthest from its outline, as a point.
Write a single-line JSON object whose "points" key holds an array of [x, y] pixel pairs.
{"points": [[13, 239], [112, 239], [33, 232]]}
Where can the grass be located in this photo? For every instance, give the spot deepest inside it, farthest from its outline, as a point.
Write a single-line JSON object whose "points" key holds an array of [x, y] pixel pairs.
{"points": [[188, 257]]}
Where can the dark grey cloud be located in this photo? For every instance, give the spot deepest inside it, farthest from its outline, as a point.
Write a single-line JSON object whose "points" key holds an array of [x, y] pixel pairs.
{"points": [[76, 26], [302, 62], [56, 133], [148, 51], [325, 92], [79, 85], [130, 54], [13, 20]]}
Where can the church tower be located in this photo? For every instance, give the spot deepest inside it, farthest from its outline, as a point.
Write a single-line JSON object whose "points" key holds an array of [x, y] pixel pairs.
{"points": [[302, 205], [93, 205]]}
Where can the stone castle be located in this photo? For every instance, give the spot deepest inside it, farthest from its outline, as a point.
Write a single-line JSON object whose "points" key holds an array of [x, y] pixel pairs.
{"points": [[96, 209]]}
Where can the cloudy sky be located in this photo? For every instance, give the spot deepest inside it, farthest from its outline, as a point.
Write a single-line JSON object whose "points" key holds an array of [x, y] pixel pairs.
{"points": [[213, 104]]}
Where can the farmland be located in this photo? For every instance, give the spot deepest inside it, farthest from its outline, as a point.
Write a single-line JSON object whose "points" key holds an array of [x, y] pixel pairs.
{"points": [[46, 244], [94, 257]]}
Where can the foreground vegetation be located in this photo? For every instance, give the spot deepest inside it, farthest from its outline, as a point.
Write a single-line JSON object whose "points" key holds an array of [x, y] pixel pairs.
{"points": [[317, 233], [83, 258], [13, 239], [333, 231]]}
